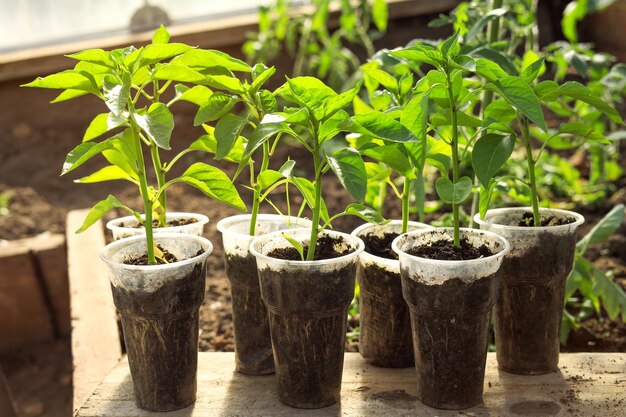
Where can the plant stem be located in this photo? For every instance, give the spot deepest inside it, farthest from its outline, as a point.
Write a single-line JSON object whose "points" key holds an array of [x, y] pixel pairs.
{"points": [[143, 188], [160, 175], [455, 159], [406, 193], [531, 172], [318, 203], [494, 33], [256, 202]]}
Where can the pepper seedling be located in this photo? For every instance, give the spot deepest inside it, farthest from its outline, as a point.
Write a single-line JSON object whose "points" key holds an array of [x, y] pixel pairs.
{"points": [[393, 129], [131, 82], [454, 99], [522, 101], [314, 118]]}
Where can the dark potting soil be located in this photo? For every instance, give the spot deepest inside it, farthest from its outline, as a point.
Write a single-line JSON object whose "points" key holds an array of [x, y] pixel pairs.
{"points": [[170, 223], [527, 220], [444, 250], [380, 245], [167, 258], [326, 248]]}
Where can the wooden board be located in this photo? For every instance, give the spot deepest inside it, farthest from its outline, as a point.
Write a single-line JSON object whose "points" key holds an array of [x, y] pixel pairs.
{"points": [[586, 385], [96, 347]]}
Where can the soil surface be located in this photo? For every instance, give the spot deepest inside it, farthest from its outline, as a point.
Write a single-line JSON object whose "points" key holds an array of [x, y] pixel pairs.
{"points": [[326, 248], [165, 257], [444, 250], [380, 245], [527, 220], [170, 223]]}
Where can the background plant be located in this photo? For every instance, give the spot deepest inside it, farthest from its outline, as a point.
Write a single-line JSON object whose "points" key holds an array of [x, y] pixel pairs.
{"points": [[122, 78], [307, 37]]}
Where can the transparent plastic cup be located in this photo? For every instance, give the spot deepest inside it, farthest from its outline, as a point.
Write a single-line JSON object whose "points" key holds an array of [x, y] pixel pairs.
{"points": [[253, 345], [385, 324], [450, 303], [529, 309], [308, 305], [126, 226], [159, 307]]}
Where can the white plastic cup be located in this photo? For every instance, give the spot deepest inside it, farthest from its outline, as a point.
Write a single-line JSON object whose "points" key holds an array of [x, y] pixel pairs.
{"points": [[159, 307], [253, 345], [450, 302], [384, 319], [308, 305], [528, 312], [126, 226]]}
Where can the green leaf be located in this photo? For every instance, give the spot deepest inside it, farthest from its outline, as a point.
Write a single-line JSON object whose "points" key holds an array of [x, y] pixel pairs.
{"points": [[208, 143], [380, 14], [462, 119], [197, 94], [101, 124], [176, 72], [382, 77], [210, 58], [65, 80], [100, 209], [268, 102], [310, 92], [490, 153], [450, 47], [215, 107], [482, 22], [350, 170], [497, 58], [158, 123], [116, 95], [612, 294], [227, 130], [501, 111], [225, 82], [83, 152], [392, 155], [213, 183], [307, 189], [521, 96], [601, 231], [489, 70], [485, 197], [68, 95], [95, 56], [420, 53], [338, 103], [415, 118], [262, 77], [381, 125], [108, 173], [268, 177], [296, 245], [160, 35], [577, 91], [124, 159], [534, 69], [263, 132], [366, 213], [154, 53], [453, 193]]}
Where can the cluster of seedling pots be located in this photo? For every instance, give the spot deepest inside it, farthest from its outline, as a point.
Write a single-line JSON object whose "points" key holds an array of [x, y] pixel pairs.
{"points": [[293, 279]]}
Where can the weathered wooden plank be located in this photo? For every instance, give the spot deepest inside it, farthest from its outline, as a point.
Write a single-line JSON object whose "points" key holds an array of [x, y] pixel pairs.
{"points": [[586, 385], [7, 405], [25, 317], [96, 345]]}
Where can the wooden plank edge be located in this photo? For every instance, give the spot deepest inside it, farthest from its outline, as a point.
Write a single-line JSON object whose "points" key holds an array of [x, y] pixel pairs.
{"points": [[96, 347]]}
